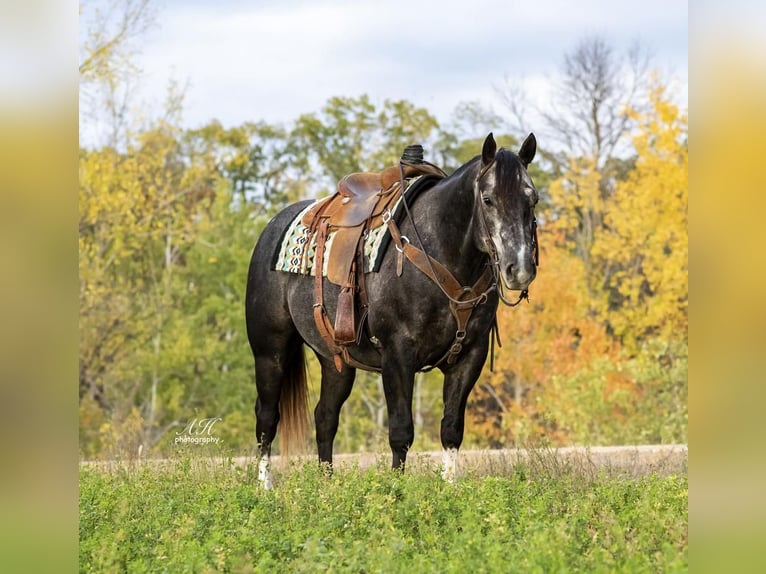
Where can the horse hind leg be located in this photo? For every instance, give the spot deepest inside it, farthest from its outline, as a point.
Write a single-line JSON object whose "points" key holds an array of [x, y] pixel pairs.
{"points": [[280, 376], [336, 388], [267, 418]]}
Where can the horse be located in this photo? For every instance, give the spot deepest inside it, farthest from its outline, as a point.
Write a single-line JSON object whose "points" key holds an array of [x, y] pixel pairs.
{"points": [[479, 222]]}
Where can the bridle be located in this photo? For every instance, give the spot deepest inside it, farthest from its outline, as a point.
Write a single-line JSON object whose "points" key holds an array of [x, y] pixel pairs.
{"points": [[486, 238]]}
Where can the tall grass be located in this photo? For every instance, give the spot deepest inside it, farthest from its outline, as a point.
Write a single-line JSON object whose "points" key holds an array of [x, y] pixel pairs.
{"points": [[203, 516]]}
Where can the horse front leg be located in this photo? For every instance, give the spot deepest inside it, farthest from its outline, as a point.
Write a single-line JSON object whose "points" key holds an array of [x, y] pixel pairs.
{"points": [[459, 380], [398, 383]]}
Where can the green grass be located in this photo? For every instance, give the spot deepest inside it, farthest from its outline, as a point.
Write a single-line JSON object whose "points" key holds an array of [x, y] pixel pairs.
{"points": [[195, 516]]}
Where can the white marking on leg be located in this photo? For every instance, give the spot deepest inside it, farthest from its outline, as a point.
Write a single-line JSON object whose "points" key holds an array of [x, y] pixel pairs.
{"points": [[449, 464], [264, 472]]}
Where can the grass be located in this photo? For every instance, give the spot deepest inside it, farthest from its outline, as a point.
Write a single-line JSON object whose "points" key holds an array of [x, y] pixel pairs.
{"points": [[203, 516]]}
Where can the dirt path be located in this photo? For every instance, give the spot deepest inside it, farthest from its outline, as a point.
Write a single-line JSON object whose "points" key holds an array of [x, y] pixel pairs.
{"points": [[620, 460], [627, 460]]}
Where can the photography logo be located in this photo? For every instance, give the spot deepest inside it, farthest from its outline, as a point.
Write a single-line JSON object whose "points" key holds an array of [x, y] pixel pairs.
{"points": [[199, 431]]}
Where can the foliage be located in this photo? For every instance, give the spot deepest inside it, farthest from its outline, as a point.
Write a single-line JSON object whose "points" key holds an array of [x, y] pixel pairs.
{"points": [[642, 250], [352, 134], [600, 354], [166, 228], [106, 49], [552, 336], [191, 517], [163, 258], [253, 157]]}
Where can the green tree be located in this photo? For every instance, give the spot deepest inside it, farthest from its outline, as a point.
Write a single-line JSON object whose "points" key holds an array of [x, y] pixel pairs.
{"points": [[164, 250], [352, 134], [137, 217], [258, 160]]}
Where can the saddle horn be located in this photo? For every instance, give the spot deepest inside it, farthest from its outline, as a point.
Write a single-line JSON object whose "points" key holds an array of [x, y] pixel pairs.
{"points": [[412, 155]]}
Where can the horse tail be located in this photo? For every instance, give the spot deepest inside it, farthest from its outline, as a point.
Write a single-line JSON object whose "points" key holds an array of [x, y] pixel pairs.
{"points": [[293, 401]]}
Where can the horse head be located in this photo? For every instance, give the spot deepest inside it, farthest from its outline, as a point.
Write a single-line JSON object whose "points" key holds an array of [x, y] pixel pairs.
{"points": [[506, 199]]}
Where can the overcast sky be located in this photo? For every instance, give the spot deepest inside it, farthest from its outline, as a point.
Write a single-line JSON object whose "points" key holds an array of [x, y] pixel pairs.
{"points": [[274, 60]]}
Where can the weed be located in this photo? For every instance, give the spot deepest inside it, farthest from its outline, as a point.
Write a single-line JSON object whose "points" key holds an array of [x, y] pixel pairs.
{"points": [[193, 516]]}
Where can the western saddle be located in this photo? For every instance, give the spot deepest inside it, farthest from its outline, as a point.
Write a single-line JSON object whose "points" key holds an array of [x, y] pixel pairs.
{"points": [[362, 202]]}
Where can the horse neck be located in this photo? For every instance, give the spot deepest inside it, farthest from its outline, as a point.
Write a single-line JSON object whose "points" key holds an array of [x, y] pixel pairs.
{"points": [[445, 220]]}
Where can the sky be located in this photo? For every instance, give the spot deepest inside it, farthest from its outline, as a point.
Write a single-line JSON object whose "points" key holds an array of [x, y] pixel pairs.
{"points": [[275, 60]]}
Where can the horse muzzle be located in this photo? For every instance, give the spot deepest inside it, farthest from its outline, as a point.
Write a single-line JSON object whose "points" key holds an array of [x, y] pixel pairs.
{"points": [[519, 276]]}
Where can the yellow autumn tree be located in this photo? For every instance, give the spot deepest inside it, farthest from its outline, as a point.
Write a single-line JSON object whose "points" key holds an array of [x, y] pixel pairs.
{"points": [[555, 335], [139, 212], [600, 354], [642, 250], [577, 207]]}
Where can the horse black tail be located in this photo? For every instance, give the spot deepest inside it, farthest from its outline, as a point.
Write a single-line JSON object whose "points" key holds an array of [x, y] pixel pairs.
{"points": [[294, 406]]}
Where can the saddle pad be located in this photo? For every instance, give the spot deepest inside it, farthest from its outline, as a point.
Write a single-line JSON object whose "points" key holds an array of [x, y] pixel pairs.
{"points": [[297, 249]]}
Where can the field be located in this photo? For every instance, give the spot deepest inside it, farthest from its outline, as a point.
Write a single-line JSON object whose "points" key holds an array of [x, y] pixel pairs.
{"points": [[540, 515]]}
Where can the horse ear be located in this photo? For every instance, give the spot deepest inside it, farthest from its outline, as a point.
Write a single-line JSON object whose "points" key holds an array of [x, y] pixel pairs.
{"points": [[528, 149], [489, 149]]}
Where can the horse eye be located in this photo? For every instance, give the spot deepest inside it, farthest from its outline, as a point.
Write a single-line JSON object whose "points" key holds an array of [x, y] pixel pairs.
{"points": [[486, 200]]}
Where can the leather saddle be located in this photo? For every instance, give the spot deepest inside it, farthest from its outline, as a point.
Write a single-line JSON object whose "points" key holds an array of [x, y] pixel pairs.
{"points": [[359, 204]]}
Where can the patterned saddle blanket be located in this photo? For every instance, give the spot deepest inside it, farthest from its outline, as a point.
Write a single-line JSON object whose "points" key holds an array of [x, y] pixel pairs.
{"points": [[296, 252]]}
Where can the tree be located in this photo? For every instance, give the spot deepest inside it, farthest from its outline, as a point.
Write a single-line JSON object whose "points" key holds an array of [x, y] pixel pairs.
{"points": [[594, 95], [600, 355], [351, 134], [588, 116], [577, 207], [642, 250], [552, 336], [135, 221], [589, 126], [105, 52], [461, 139], [164, 250], [107, 70], [256, 158]]}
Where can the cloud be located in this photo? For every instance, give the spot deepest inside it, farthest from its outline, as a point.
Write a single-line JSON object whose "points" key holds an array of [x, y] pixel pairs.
{"points": [[274, 61]]}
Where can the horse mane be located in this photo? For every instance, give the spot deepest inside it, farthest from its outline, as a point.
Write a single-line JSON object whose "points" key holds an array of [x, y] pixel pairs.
{"points": [[465, 167]]}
